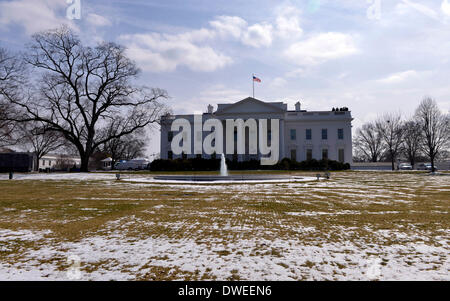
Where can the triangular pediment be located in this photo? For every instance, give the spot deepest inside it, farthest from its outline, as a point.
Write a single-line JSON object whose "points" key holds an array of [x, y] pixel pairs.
{"points": [[248, 105]]}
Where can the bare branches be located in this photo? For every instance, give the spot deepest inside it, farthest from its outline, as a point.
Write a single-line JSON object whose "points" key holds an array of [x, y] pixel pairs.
{"points": [[411, 140], [435, 128], [80, 90], [427, 133], [127, 147], [368, 142], [11, 76], [390, 129], [39, 139]]}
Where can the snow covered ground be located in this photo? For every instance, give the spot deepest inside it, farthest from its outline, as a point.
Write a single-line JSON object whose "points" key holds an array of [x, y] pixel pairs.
{"points": [[251, 259], [356, 226]]}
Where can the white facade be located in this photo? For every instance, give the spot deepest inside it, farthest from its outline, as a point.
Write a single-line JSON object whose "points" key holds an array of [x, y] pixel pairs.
{"points": [[302, 135], [51, 161], [107, 163]]}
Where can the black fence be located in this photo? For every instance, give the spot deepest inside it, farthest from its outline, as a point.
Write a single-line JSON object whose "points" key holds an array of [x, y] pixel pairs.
{"points": [[17, 162]]}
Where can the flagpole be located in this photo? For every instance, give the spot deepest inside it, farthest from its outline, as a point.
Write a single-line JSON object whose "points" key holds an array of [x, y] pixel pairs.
{"points": [[253, 81]]}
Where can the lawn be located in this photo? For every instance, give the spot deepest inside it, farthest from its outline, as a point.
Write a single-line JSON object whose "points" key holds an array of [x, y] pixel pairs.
{"points": [[355, 226]]}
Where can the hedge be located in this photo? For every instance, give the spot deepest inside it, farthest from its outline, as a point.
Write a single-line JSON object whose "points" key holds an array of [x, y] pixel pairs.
{"points": [[200, 164]]}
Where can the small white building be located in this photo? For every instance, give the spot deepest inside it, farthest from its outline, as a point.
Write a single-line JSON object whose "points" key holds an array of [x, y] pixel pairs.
{"points": [[107, 163], [57, 161]]}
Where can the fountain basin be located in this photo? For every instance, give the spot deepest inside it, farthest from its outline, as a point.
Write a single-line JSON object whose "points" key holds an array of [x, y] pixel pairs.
{"points": [[229, 178]]}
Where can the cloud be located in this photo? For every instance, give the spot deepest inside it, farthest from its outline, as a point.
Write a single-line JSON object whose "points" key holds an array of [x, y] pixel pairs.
{"points": [[423, 9], [286, 26], [288, 23], [194, 36], [258, 35], [220, 94], [163, 52], [445, 7], [97, 20], [298, 72], [400, 77], [33, 15], [278, 82], [229, 26], [321, 48], [213, 95], [193, 49], [196, 49]]}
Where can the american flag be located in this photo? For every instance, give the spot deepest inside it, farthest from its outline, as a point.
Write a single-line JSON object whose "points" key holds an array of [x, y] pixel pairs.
{"points": [[255, 79]]}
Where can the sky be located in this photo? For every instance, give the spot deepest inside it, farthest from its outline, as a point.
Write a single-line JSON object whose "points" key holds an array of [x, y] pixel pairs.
{"points": [[372, 56]]}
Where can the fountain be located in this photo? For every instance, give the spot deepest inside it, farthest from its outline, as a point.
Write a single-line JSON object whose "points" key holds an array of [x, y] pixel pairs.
{"points": [[223, 167], [224, 177]]}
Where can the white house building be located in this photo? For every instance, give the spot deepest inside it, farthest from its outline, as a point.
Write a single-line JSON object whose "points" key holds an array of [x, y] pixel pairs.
{"points": [[303, 135]]}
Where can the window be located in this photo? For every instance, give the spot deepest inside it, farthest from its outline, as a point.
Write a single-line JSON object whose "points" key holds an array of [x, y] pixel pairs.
{"points": [[324, 154], [235, 135], [293, 134], [341, 155], [170, 155], [340, 134], [324, 134], [43, 162], [269, 136], [170, 136], [309, 154], [308, 134], [293, 154]]}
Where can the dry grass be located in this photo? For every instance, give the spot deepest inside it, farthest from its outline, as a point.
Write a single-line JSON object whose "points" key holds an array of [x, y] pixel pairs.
{"points": [[351, 207]]}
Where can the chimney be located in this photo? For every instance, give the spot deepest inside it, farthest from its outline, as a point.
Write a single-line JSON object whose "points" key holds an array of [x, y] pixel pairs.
{"points": [[210, 109], [297, 106]]}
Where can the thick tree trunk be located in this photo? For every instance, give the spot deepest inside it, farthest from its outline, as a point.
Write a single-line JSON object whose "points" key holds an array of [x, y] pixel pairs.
{"points": [[38, 158], [412, 161], [84, 163], [87, 154], [393, 164]]}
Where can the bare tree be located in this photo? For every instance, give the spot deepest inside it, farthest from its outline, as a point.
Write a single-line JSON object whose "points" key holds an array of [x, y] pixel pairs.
{"points": [[10, 78], [81, 89], [435, 128], [64, 162], [390, 129], [412, 136], [34, 136], [368, 142], [134, 149], [6, 127], [126, 147]]}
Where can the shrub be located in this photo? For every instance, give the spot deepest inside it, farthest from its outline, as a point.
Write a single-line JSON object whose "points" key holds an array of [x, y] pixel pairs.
{"points": [[200, 164]]}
